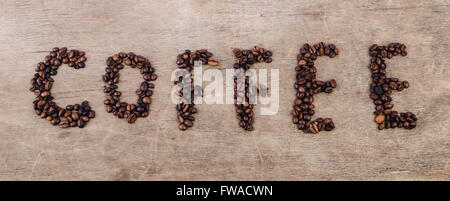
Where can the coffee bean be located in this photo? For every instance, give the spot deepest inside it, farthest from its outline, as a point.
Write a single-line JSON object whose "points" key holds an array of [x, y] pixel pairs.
{"points": [[313, 128], [144, 86], [41, 103], [180, 119], [80, 123], [153, 77], [63, 124], [393, 85], [213, 62], [333, 83], [41, 84], [188, 123], [301, 62], [379, 119], [75, 116], [186, 107], [301, 89], [122, 109], [146, 100], [81, 65], [48, 86], [405, 84], [73, 124], [182, 127], [307, 85], [131, 118], [379, 90], [45, 94], [382, 86]]}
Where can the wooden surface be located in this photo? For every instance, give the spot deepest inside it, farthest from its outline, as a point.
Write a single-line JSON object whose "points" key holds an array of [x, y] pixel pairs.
{"points": [[216, 148]]}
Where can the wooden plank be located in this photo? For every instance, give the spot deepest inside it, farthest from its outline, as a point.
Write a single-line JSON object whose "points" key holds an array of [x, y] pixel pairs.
{"points": [[216, 148]]}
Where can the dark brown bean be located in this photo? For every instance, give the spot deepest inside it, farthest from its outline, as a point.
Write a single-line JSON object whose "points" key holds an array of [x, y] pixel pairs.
{"points": [[131, 118], [182, 127], [307, 85]]}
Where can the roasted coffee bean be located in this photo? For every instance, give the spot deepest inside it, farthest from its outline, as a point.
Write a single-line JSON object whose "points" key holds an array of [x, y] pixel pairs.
{"points": [[64, 124], [80, 123], [213, 62], [182, 127], [379, 90], [73, 124], [244, 95], [146, 100], [122, 109], [382, 86], [313, 128], [75, 115], [40, 104], [379, 119], [188, 123], [188, 92], [131, 118], [307, 86], [41, 84]]}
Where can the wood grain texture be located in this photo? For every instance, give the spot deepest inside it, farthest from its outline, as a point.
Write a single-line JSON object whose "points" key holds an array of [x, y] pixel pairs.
{"points": [[216, 148]]}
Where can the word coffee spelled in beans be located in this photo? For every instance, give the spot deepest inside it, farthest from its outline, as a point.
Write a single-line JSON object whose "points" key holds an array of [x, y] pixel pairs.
{"points": [[245, 90], [382, 86], [73, 115], [123, 109]]}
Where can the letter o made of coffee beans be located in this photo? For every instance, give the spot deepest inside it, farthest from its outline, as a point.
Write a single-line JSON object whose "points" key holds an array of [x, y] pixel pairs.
{"points": [[73, 115], [185, 85], [245, 91], [307, 86], [123, 109], [382, 86]]}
